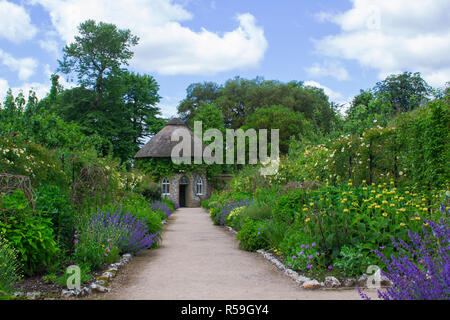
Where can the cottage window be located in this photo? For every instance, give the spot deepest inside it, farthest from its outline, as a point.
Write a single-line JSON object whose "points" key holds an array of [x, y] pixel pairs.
{"points": [[165, 187], [199, 186]]}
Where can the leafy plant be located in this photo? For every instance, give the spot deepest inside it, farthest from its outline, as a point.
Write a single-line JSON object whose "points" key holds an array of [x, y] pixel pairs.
{"points": [[9, 267], [251, 235], [30, 234], [353, 260], [54, 204]]}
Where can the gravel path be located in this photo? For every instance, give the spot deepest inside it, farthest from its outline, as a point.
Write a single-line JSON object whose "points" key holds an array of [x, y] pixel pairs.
{"points": [[198, 260]]}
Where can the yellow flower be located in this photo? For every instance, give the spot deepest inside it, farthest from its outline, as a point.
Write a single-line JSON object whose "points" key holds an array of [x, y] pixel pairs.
{"points": [[385, 214], [311, 204], [385, 202], [402, 224], [305, 209], [364, 188], [307, 220], [345, 210]]}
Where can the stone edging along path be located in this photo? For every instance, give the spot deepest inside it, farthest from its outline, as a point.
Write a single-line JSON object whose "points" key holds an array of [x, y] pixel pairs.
{"points": [[329, 283], [101, 283]]}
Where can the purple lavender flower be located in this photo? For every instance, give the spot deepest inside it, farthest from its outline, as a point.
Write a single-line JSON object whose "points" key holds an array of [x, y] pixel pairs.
{"points": [[422, 269]]}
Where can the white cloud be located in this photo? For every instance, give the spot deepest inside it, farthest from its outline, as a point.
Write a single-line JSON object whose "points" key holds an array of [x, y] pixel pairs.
{"points": [[393, 36], [328, 69], [51, 46], [333, 95], [4, 86], [25, 67], [168, 106], [15, 23], [165, 45]]}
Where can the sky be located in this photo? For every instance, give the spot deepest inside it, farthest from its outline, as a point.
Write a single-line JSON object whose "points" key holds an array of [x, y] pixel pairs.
{"points": [[341, 46]]}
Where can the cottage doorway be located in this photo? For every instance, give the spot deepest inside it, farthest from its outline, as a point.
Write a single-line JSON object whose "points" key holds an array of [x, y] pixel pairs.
{"points": [[184, 182]]}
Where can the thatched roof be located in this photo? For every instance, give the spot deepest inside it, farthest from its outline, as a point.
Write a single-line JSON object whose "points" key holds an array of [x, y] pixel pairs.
{"points": [[160, 146]]}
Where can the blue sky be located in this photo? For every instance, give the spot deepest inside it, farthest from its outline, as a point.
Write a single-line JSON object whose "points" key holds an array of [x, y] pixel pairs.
{"points": [[341, 45]]}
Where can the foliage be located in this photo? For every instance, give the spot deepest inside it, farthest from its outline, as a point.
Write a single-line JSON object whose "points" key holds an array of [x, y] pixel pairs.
{"points": [[101, 239], [288, 122], [257, 212], [353, 260], [29, 233], [219, 214], [425, 135], [251, 235], [421, 269], [98, 50], [210, 116], [406, 91], [307, 257], [234, 218], [9, 267], [22, 157], [238, 98], [163, 206], [412, 150], [54, 204]]}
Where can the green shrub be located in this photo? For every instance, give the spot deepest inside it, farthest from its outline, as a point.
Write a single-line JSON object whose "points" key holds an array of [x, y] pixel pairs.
{"points": [[169, 203], [29, 233], [54, 204], [289, 205], [142, 210], [274, 232], [291, 243], [9, 267], [354, 260], [22, 157], [151, 191], [234, 218], [257, 212], [91, 249], [251, 235]]}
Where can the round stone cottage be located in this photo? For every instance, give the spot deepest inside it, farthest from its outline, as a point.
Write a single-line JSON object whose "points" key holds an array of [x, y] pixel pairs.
{"points": [[187, 189]]}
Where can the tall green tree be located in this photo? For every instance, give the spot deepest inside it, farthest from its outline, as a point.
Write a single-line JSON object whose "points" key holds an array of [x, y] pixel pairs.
{"points": [[289, 122], [238, 99], [406, 91], [98, 50]]}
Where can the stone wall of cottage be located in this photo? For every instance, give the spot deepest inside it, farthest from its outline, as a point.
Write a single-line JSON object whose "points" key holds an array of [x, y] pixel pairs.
{"points": [[193, 200]]}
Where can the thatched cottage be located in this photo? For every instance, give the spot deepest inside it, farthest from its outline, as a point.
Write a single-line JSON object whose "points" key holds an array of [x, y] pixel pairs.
{"points": [[185, 188]]}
